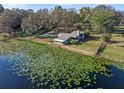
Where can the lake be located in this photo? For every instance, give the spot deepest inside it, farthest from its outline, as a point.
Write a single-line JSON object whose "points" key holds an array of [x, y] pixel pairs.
{"points": [[9, 80]]}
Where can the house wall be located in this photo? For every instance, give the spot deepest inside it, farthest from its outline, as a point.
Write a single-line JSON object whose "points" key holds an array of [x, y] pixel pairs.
{"points": [[66, 42], [80, 37]]}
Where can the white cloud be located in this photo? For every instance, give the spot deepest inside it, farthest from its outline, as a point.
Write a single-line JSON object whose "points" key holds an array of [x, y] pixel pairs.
{"points": [[21, 6]]}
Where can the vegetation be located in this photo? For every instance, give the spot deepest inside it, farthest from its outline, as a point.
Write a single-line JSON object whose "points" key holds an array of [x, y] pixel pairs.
{"points": [[106, 37], [100, 19], [115, 49], [91, 43], [50, 67]]}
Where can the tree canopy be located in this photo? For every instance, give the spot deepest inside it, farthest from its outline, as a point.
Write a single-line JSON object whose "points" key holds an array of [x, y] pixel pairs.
{"points": [[103, 19], [100, 19]]}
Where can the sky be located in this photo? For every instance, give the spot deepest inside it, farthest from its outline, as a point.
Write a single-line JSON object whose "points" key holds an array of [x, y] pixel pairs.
{"points": [[119, 7]]}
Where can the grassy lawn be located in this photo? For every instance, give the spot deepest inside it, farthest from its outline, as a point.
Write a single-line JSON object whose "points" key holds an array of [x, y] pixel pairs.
{"points": [[1, 37], [120, 27], [91, 44], [115, 51]]}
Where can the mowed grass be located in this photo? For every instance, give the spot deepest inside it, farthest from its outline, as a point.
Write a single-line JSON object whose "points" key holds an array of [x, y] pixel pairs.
{"points": [[115, 50], [120, 27], [91, 44]]}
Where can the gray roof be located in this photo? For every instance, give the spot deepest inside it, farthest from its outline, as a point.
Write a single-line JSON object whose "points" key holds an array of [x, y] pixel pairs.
{"points": [[74, 34], [64, 36]]}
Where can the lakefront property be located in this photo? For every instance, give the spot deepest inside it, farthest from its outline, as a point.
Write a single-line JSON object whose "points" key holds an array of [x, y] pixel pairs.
{"points": [[62, 48], [65, 37]]}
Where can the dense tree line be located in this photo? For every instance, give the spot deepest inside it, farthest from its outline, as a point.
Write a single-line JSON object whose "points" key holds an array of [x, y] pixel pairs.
{"points": [[100, 19], [121, 17]]}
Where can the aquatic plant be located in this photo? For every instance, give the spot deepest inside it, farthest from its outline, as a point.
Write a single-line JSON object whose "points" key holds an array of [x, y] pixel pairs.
{"points": [[50, 67]]}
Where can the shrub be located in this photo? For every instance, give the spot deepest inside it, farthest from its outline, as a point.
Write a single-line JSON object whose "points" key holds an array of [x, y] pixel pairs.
{"points": [[22, 34], [106, 37], [87, 33]]}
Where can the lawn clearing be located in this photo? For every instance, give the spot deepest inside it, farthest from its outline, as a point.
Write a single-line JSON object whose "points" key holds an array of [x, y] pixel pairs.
{"points": [[115, 50], [90, 44]]}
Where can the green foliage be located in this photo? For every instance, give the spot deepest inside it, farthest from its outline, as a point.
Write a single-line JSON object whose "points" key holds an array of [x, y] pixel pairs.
{"points": [[100, 19], [106, 37], [104, 19], [87, 32], [10, 20], [1, 8], [22, 34], [50, 67]]}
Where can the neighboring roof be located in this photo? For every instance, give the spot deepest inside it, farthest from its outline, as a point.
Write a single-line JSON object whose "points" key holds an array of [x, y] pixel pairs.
{"points": [[62, 37], [51, 32]]}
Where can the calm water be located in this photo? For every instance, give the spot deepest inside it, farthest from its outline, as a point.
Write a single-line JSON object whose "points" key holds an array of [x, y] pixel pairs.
{"points": [[114, 82], [9, 80]]}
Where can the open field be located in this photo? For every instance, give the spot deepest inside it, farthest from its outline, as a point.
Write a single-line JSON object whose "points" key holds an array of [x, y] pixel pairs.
{"points": [[115, 50]]}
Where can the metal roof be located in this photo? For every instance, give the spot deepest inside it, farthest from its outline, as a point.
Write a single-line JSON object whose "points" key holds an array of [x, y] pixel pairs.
{"points": [[62, 37]]}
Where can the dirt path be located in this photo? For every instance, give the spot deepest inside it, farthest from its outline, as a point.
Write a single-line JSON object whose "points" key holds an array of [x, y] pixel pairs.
{"points": [[46, 41], [67, 47]]}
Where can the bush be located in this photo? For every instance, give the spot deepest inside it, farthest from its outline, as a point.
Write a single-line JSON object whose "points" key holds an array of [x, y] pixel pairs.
{"points": [[87, 33], [106, 37], [22, 34]]}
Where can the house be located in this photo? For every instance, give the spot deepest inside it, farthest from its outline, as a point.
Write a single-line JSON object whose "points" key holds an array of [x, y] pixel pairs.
{"points": [[65, 37], [77, 35]]}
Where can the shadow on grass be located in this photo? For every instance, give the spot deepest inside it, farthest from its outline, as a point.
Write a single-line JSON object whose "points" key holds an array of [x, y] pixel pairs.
{"points": [[119, 31], [74, 42], [122, 46], [115, 42]]}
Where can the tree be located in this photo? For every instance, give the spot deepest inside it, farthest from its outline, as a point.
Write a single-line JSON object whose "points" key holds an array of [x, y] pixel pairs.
{"points": [[64, 18], [10, 21], [45, 18], [30, 23], [85, 14], [104, 19], [1, 8], [69, 18], [104, 8], [121, 17], [56, 16], [38, 22], [23, 13]]}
